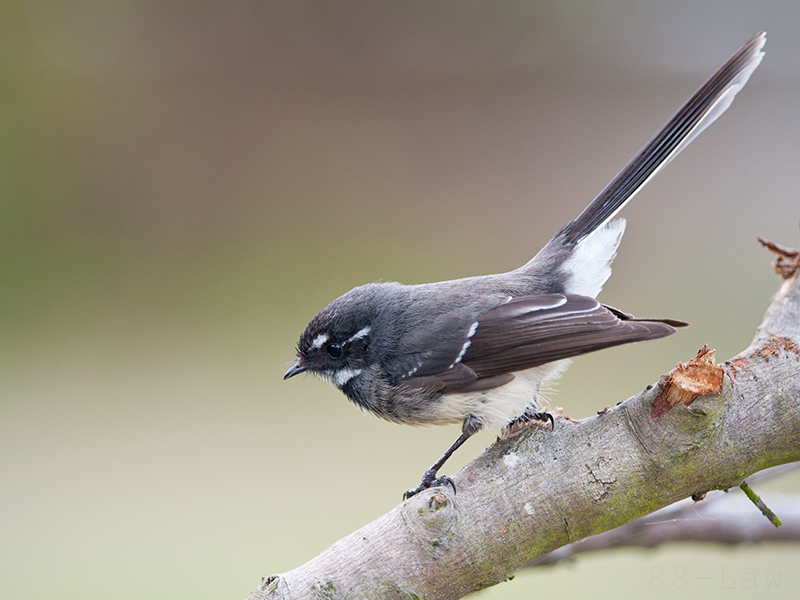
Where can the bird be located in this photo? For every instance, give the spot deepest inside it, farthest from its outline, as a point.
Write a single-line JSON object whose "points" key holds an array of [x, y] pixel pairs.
{"points": [[477, 350]]}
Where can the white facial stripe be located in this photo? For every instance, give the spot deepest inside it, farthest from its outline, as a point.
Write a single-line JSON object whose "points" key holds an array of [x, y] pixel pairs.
{"points": [[342, 376], [318, 341], [363, 332]]}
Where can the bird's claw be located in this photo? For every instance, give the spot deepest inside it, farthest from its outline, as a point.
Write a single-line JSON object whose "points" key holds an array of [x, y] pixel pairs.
{"points": [[429, 480], [525, 420], [542, 416]]}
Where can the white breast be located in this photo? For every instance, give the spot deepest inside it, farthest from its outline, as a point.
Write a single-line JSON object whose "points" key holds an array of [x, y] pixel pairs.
{"points": [[497, 406]]}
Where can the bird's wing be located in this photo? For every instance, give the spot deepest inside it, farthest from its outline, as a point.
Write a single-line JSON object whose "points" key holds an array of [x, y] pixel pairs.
{"points": [[529, 331], [521, 333], [429, 355]]}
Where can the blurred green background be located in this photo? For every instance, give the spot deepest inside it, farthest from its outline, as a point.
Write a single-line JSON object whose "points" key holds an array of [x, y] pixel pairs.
{"points": [[184, 185]]}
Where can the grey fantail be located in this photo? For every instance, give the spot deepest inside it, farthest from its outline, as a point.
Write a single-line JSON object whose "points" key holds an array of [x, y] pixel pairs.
{"points": [[475, 351]]}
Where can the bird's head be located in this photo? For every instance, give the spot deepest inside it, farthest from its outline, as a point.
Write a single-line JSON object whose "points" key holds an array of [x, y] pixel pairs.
{"points": [[335, 346]]}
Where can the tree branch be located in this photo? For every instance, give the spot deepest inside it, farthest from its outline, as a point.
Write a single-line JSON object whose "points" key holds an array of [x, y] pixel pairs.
{"points": [[703, 427], [721, 518]]}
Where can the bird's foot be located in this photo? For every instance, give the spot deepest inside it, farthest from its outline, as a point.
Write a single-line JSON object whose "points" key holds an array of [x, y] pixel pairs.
{"points": [[429, 480], [525, 420]]}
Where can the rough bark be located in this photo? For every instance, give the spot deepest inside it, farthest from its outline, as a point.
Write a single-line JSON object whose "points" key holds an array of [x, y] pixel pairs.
{"points": [[702, 427], [730, 522]]}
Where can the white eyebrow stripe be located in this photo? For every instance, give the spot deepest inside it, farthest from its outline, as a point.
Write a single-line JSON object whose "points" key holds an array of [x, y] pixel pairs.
{"points": [[318, 341], [361, 333]]}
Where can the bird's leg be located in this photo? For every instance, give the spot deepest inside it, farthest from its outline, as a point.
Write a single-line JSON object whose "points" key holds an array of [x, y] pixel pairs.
{"points": [[429, 479], [525, 420]]}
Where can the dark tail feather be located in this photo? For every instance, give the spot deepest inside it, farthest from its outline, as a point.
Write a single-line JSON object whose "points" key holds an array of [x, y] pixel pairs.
{"points": [[702, 109]]}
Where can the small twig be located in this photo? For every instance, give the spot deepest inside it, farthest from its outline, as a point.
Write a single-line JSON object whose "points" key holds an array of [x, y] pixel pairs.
{"points": [[778, 248], [787, 260], [756, 499]]}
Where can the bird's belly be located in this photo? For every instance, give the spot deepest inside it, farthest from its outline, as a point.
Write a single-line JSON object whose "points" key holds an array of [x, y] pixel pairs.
{"points": [[496, 406]]}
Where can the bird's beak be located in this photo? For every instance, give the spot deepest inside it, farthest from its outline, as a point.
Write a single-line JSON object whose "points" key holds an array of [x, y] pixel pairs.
{"points": [[295, 369]]}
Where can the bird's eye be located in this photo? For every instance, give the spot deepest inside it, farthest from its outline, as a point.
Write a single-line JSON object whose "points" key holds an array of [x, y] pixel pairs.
{"points": [[334, 350]]}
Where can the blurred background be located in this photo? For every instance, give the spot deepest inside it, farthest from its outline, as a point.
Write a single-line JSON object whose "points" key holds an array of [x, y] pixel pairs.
{"points": [[184, 185]]}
